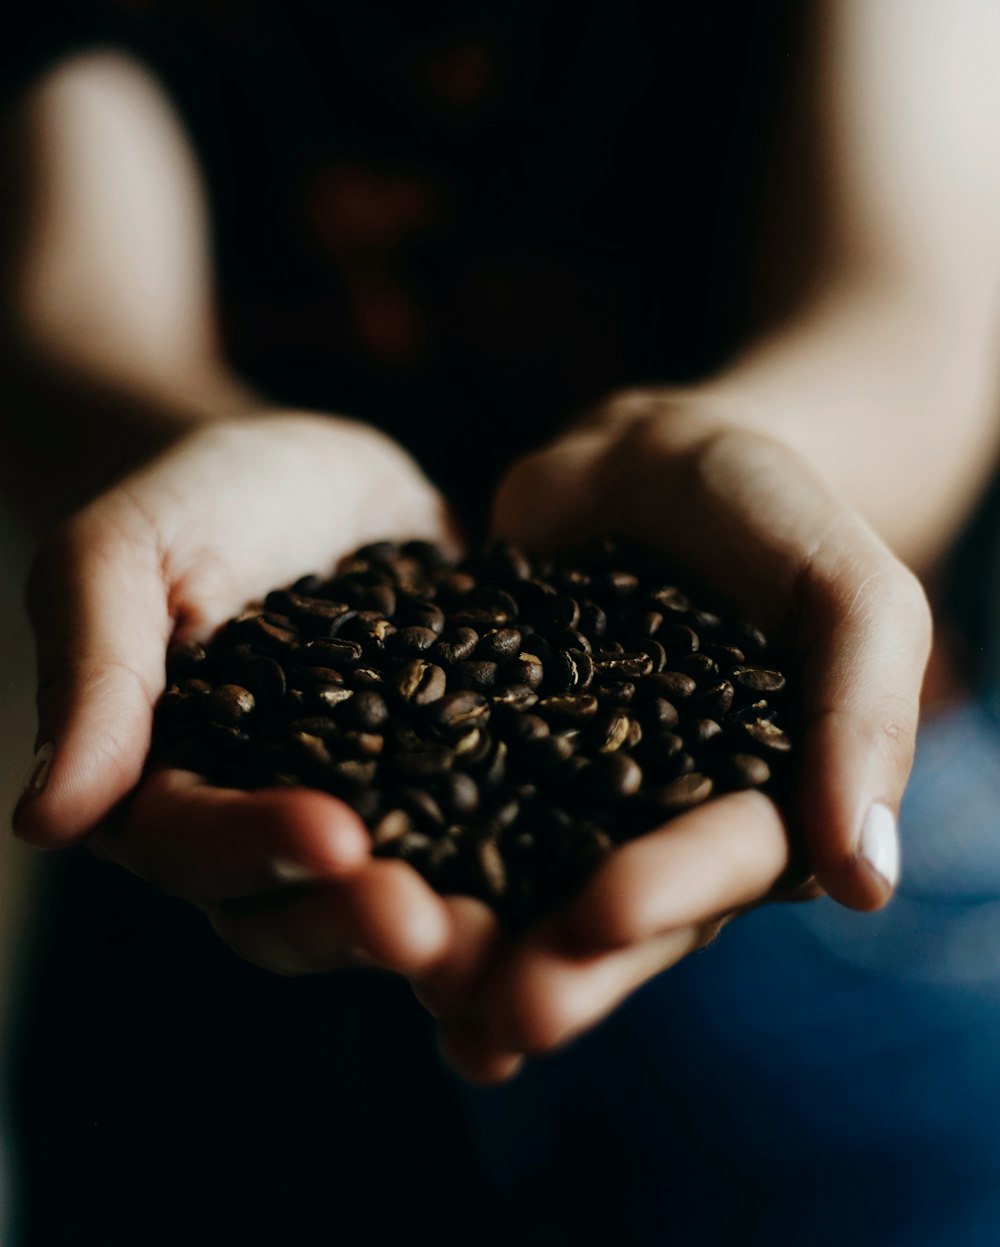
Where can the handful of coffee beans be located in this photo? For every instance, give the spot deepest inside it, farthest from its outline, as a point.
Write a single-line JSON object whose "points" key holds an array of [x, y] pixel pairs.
{"points": [[501, 724]]}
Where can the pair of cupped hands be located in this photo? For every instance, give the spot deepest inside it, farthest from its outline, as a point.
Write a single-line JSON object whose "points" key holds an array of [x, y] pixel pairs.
{"points": [[286, 877]]}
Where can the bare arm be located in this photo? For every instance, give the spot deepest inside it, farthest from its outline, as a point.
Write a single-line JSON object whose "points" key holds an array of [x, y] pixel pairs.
{"points": [[883, 369], [110, 348]]}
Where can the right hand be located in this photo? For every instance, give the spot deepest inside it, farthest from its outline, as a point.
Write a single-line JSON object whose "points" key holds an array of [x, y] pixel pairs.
{"points": [[285, 876]]}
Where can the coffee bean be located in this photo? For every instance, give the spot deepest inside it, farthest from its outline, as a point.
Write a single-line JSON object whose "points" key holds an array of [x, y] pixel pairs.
{"points": [[660, 713], [713, 700], [422, 807], [568, 707], [499, 644], [184, 658], [757, 679], [425, 761], [612, 732], [516, 696], [473, 674], [614, 692], [620, 584], [623, 666], [459, 711], [419, 613], [490, 866], [683, 793], [741, 770], [330, 696], [334, 652], [701, 731], [679, 638], [696, 665], [369, 710], [459, 794], [765, 735], [556, 613], [593, 622], [420, 683], [725, 655], [367, 678], [280, 638], [647, 624], [454, 646], [507, 562], [569, 670], [614, 776], [393, 825], [411, 641], [525, 669], [673, 685], [230, 704]]}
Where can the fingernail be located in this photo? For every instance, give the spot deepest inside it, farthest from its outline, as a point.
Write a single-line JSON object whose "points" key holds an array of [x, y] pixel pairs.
{"points": [[39, 774], [879, 842]]}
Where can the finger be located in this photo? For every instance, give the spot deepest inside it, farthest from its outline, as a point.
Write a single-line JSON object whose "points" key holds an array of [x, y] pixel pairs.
{"points": [[447, 986], [99, 609], [543, 996], [210, 845], [473, 1055], [869, 629], [385, 915], [724, 856]]}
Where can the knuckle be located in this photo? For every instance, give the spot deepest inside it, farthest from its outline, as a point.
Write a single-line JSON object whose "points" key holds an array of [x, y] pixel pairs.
{"points": [[537, 1016]]}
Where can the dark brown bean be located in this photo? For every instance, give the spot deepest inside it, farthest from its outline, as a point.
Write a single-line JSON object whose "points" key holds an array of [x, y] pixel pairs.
{"points": [[683, 793], [454, 646], [473, 674], [230, 704], [411, 641], [757, 679], [614, 776], [420, 683], [499, 644]]}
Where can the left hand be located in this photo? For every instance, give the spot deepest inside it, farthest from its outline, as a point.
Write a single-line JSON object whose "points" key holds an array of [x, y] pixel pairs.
{"points": [[753, 520]]}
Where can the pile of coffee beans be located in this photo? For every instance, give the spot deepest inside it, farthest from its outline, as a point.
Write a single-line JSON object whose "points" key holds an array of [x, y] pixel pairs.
{"points": [[500, 724]]}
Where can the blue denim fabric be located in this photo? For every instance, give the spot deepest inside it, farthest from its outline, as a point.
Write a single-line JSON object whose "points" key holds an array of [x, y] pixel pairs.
{"points": [[816, 1076]]}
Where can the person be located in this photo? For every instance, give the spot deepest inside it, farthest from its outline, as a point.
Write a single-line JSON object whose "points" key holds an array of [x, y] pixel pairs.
{"points": [[461, 231]]}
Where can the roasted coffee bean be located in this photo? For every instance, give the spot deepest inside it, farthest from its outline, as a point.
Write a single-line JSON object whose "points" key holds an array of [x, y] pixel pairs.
{"points": [[459, 794], [620, 584], [366, 678], [713, 700], [419, 613], [506, 562], [454, 646], [724, 655], [673, 685], [670, 600], [369, 710], [569, 671], [371, 629], [334, 652], [266, 679], [473, 674], [526, 727], [647, 624], [614, 776], [472, 746], [490, 867], [184, 658], [679, 638], [499, 644], [699, 666], [740, 770], [411, 641], [229, 704], [544, 753], [623, 666], [494, 770], [568, 708], [683, 793], [453, 586], [193, 687], [593, 622], [330, 696], [765, 735], [614, 692], [425, 761], [656, 653], [359, 744], [516, 696], [456, 712], [393, 825], [526, 669], [419, 683], [556, 613], [280, 638], [757, 679], [701, 731], [422, 807], [660, 713], [611, 732]]}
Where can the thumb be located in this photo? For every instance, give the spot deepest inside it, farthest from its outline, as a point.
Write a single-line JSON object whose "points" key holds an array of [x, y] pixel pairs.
{"points": [[98, 606]]}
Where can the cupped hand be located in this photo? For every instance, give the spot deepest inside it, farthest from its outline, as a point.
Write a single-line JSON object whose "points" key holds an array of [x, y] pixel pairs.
{"points": [[286, 876], [750, 519]]}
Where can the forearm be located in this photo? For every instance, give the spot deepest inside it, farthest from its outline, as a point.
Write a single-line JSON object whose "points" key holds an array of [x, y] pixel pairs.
{"points": [[891, 397], [67, 432]]}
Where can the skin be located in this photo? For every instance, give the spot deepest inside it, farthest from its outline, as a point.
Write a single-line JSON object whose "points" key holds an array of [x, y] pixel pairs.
{"points": [[844, 447]]}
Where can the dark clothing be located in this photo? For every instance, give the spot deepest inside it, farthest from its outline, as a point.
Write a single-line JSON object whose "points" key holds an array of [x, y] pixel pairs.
{"points": [[486, 213]]}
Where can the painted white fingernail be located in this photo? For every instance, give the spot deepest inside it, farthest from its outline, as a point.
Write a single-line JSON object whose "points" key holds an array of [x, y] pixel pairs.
{"points": [[38, 775], [879, 843]]}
